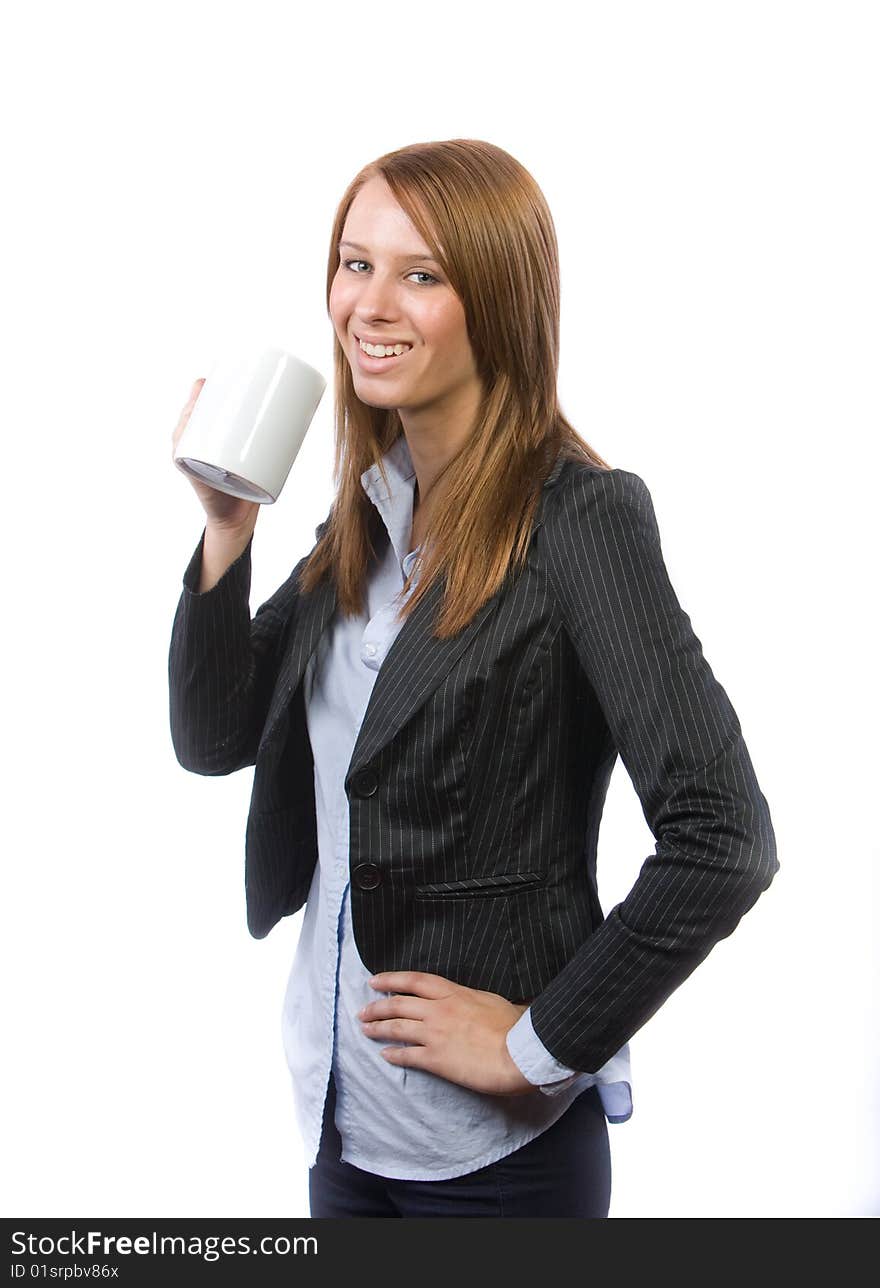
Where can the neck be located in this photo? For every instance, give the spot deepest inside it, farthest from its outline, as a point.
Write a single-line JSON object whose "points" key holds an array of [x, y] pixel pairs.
{"points": [[434, 435]]}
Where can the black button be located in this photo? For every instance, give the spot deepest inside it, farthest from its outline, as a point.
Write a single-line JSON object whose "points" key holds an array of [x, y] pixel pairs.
{"points": [[367, 876], [365, 782]]}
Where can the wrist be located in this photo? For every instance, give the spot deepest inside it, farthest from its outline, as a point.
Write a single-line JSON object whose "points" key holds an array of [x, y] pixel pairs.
{"points": [[221, 548], [229, 532]]}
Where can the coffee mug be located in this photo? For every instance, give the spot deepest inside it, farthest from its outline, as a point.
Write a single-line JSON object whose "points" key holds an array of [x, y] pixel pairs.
{"points": [[249, 422]]}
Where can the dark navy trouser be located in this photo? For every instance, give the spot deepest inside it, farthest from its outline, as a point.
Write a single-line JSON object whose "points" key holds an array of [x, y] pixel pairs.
{"points": [[564, 1171]]}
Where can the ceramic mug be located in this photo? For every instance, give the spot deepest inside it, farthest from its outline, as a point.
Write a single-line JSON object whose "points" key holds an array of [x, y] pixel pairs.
{"points": [[249, 422]]}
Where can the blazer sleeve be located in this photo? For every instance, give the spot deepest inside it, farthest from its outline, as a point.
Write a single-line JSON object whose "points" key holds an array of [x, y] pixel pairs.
{"points": [[222, 666], [679, 738]]}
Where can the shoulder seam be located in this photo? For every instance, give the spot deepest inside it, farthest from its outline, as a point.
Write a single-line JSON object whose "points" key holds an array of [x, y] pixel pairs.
{"points": [[579, 471]]}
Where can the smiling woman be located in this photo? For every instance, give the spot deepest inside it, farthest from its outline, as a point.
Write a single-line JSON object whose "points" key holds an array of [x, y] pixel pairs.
{"points": [[434, 702]]}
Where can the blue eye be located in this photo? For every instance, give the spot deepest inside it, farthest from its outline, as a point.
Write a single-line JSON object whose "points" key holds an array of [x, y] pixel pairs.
{"points": [[420, 272]]}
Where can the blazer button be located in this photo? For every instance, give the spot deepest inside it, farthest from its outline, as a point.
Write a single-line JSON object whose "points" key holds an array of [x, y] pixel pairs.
{"points": [[367, 876], [365, 782]]}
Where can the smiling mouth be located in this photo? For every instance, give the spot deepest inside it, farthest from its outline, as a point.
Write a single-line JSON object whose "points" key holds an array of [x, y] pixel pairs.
{"points": [[375, 365]]}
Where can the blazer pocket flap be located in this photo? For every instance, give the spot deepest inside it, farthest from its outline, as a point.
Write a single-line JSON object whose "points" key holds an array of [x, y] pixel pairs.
{"points": [[500, 883]]}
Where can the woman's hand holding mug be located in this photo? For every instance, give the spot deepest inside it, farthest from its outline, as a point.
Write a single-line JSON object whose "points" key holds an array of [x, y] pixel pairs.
{"points": [[238, 445]]}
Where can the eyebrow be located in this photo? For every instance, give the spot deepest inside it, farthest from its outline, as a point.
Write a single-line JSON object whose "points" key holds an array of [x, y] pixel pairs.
{"points": [[415, 254]]}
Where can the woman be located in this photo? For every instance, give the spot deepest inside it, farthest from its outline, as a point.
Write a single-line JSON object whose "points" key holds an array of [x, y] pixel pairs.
{"points": [[434, 701]]}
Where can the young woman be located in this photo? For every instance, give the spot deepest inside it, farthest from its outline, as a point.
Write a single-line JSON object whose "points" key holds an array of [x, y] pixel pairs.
{"points": [[434, 701]]}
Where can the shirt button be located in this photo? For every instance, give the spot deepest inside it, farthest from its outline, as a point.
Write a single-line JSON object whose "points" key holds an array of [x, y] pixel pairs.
{"points": [[370, 650]]}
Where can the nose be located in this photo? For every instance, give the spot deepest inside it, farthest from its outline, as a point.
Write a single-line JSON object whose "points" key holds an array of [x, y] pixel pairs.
{"points": [[375, 299]]}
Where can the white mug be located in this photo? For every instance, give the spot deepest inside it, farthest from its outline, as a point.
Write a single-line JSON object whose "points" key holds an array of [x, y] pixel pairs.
{"points": [[249, 422]]}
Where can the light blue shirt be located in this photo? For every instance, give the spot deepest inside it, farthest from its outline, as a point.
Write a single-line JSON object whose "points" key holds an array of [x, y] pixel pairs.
{"points": [[409, 1124]]}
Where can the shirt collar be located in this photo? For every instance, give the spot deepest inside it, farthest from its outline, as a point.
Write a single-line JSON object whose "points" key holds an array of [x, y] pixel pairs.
{"points": [[395, 504]]}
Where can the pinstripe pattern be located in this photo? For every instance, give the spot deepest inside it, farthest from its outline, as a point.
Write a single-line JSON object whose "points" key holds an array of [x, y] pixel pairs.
{"points": [[478, 778]]}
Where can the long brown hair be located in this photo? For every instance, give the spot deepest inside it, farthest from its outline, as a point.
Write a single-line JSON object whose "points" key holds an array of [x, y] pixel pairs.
{"points": [[488, 225]]}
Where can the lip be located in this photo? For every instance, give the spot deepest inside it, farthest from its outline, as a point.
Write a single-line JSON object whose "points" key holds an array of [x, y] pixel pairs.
{"points": [[376, 366], [381, 340]]}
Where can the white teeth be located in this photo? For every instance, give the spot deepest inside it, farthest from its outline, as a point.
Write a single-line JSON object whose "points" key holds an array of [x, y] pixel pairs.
{"points": [[383, 350]]}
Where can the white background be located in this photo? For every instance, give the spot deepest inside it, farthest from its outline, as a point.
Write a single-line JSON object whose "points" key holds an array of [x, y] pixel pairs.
{"points": [[171, 173]]}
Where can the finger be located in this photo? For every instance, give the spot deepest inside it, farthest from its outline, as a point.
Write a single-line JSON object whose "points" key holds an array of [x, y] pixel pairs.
{"points": [[193, 397], [420, 982], [185, 410], [399, 1030], [411, 1057], [413, 1008], [194, 392]]}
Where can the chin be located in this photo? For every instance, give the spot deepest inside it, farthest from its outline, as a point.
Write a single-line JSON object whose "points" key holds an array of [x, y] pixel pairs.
{"points": [[374, 402]]}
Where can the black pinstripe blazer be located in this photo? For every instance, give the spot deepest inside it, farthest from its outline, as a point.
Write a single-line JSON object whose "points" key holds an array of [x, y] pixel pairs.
{"points": [[479, 774]]}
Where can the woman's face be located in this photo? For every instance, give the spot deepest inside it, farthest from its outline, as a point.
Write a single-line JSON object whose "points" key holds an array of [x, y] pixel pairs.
{"points": [[387, 288]]}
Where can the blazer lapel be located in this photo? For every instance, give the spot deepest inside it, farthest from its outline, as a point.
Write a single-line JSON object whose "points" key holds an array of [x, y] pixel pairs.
{"points": [[413, 667], [416, 662]]}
